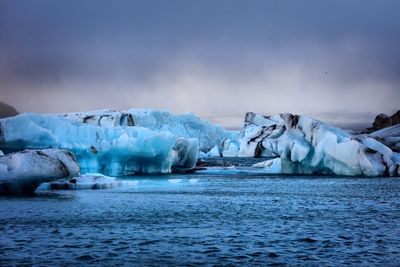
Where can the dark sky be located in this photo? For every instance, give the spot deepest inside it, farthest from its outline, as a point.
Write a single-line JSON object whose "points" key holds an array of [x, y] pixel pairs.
{"points": [[215, 58]]}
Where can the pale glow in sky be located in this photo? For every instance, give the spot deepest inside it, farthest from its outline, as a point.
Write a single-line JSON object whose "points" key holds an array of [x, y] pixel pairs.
{"points": [[218, 59]]}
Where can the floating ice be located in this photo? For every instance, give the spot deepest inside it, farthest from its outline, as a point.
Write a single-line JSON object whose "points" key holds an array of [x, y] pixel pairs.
{"points": [[112, 151], [175, 181], [233, 170], [193, 181], [307, 146], [86, 181], [184, 125], [270, 166], [184, 153], [214, 152], [390, 136], [229, 148], [22, 172]]}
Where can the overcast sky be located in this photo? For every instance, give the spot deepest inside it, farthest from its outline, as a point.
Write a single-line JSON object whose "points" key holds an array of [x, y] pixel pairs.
{"points": [[218, 59]]}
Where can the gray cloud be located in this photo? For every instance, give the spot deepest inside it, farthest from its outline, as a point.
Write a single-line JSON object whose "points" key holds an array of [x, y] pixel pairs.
{"points": [[215, 58]]}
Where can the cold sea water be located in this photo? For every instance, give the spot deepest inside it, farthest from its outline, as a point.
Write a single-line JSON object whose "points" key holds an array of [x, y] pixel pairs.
{"points": [[208, 218]]}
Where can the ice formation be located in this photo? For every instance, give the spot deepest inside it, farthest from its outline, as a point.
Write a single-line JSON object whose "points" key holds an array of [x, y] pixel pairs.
{"points": [[202, 155], [305, 145], [229, 148], [214, 152], [112, 151], [390, 136], [184, 153], [148, 141], [22, 172], [85, 181], [270, 166], [184, 125]]}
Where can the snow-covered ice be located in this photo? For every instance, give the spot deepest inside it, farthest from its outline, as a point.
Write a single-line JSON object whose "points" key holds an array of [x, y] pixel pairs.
{"points": [[183, 125], [229, 148], [270, 166], [306, 145], [22, 172], [390, 136], [85, 181], [184, 153], [150, 141]]}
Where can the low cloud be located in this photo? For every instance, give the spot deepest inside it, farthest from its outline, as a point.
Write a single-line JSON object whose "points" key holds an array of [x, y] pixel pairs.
{"points": [[247, 59]]}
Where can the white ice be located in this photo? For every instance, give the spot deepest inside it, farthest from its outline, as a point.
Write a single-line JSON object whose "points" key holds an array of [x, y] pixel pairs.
{"points": [[270, 166], [390, 136], [21, 172], [183, 125], [306, 145], [229, 148], [214, 152], [86, 181]]}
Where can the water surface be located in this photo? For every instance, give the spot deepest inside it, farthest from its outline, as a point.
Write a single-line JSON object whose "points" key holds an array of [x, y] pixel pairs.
{"points": [[208, 218]]}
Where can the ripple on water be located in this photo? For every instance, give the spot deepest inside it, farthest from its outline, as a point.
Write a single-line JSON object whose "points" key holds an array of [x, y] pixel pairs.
{"points": [[307, 240], [86, 257], [148, 242], [230, 220]]}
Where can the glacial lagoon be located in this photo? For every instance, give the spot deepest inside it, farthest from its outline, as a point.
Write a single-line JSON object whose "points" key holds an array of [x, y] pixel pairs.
{"points": [[208, 218]]}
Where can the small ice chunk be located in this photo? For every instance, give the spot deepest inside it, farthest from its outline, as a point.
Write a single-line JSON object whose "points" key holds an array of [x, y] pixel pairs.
{"points": [[174, 181], [273, 166]]}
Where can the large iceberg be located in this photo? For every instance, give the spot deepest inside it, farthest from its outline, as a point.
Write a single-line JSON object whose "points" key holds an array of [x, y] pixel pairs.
{"points": [[184, 125], [22, 172], [306, 145], [148, 141], [113, 151]]}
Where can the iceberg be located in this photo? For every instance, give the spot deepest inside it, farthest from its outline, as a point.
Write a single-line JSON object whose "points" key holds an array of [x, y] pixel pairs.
{"points": [[306, 146], [214, 152], [229, 148], [185, 153], [22, 172], [113, 151], [390, 136], [117, 143], [273, 166], [184, 125], [85, 181]]}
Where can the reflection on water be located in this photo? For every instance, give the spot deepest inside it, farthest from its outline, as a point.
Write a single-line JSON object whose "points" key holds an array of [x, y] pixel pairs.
{"points": [[208, 218]]}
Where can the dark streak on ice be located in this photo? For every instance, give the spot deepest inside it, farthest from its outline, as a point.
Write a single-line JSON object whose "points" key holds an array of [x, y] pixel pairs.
{"points": [[93, 149], [85, 119]]}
